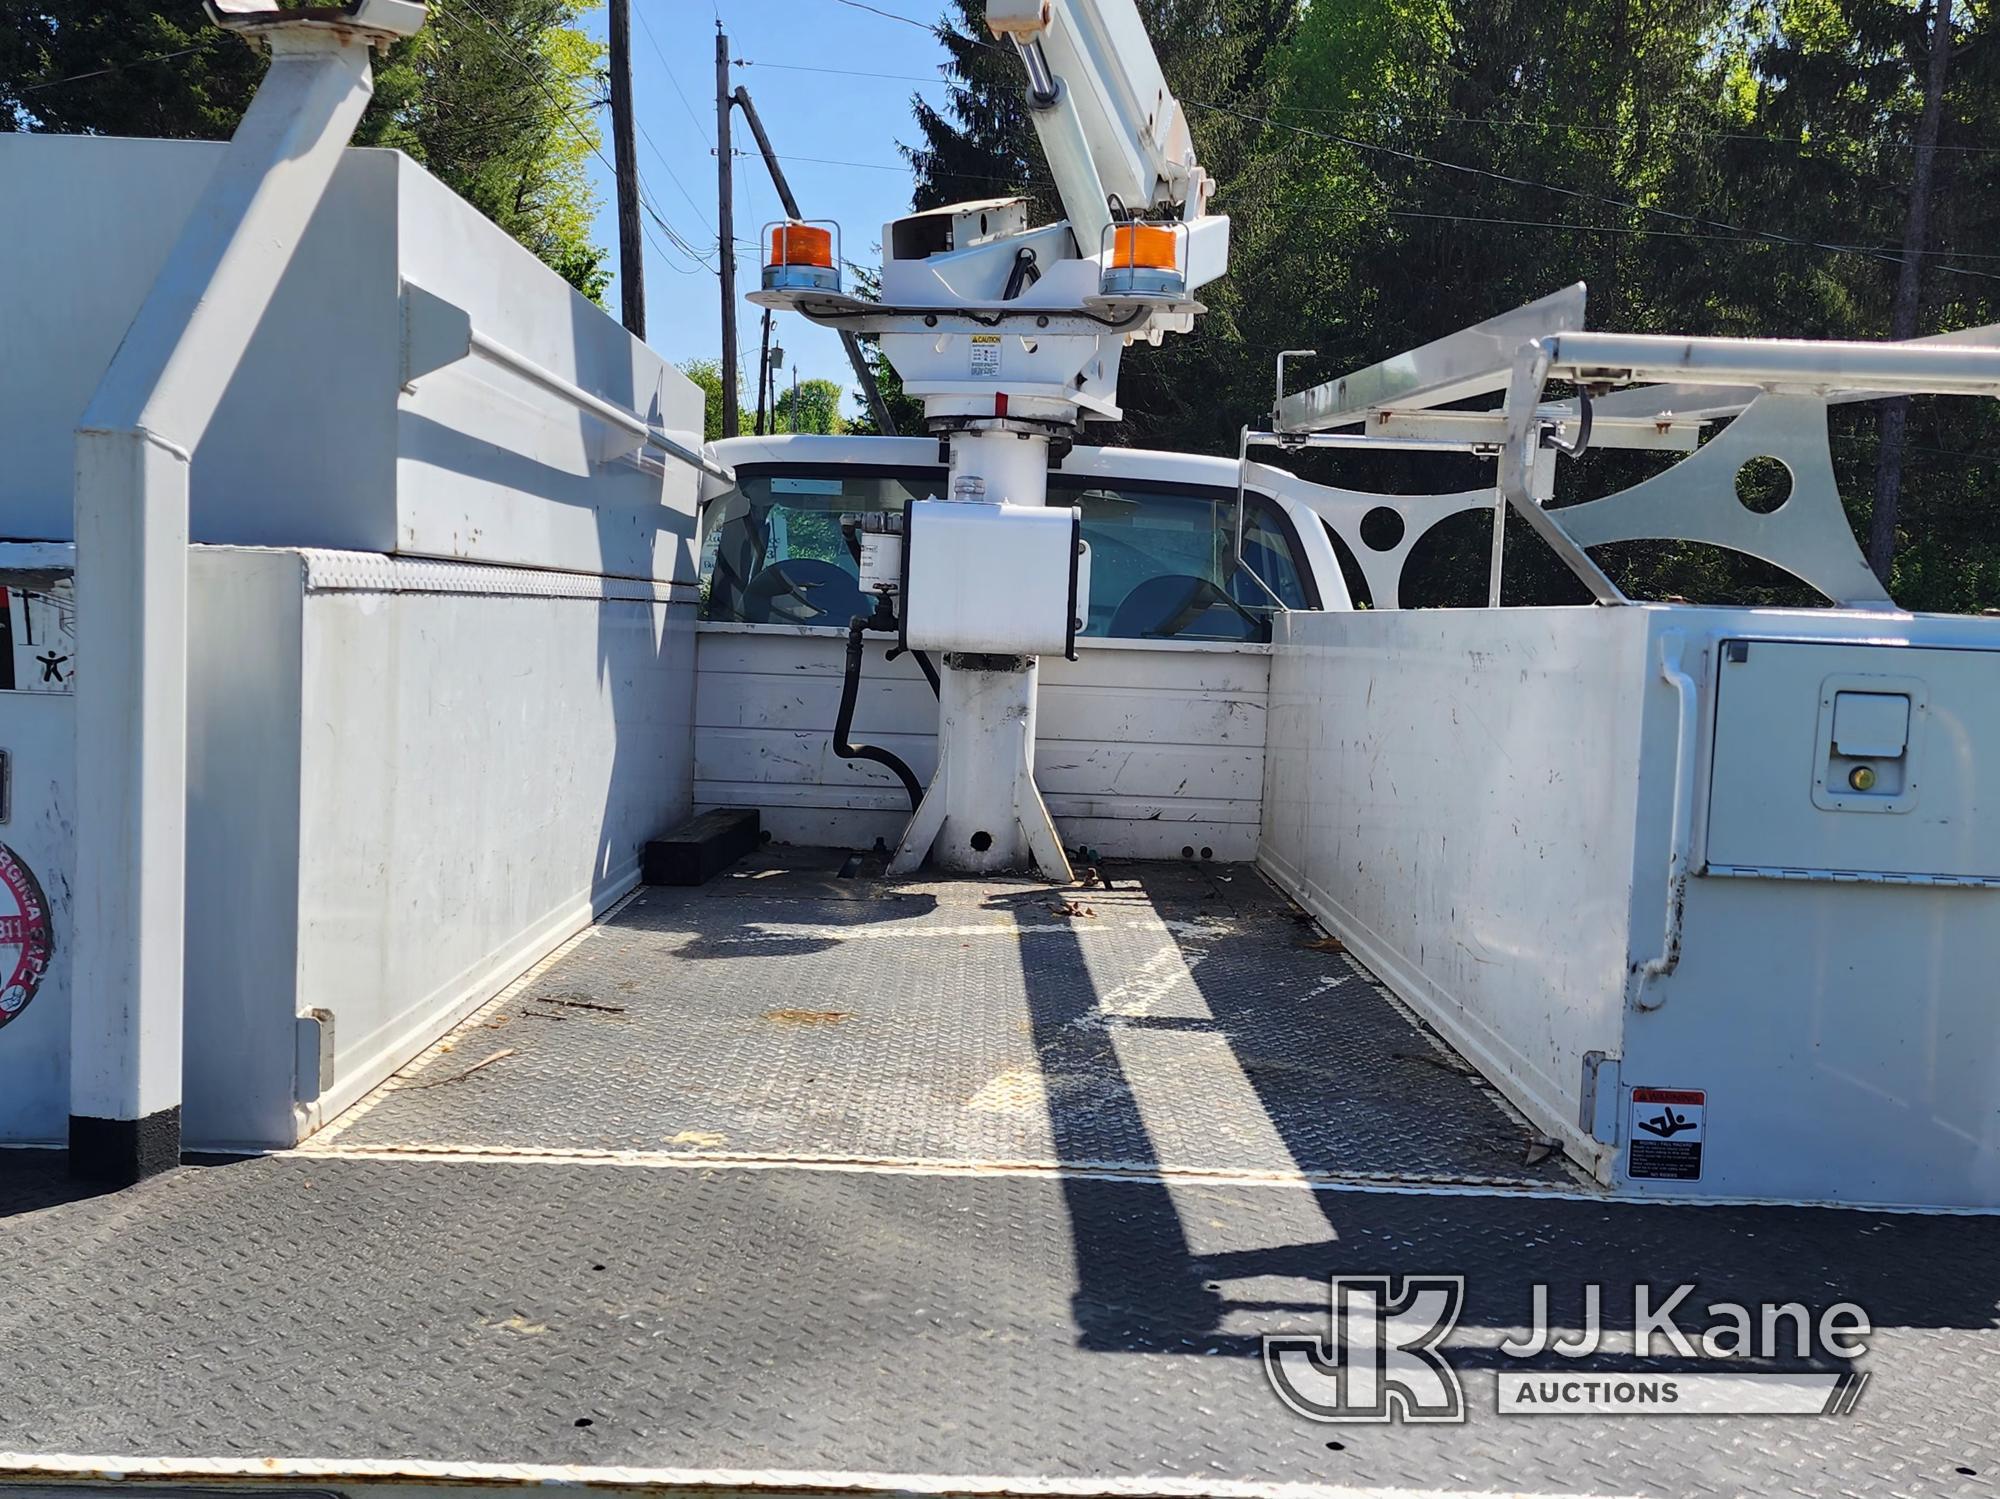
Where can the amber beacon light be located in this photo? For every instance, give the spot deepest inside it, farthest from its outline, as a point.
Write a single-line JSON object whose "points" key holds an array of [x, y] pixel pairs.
{"points": [[1143, 259], [803, 256]]}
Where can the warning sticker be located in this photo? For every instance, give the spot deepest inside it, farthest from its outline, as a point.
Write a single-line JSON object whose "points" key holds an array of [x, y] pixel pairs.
{"points": [[1668, 1125], [985, 353], [24, 928]]}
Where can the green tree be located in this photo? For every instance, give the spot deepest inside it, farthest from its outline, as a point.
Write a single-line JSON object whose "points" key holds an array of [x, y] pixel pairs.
{"points": [[1396, 169], [811, 406], [497, 97], [707, 373], [905, 410]]}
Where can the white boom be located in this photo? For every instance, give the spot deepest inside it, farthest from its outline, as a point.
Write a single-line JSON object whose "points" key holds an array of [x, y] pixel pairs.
{"points": [[1108, 124], [1011, 335]]}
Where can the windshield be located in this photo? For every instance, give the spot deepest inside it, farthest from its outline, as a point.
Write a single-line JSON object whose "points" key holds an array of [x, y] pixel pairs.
{"points": [[1161, 566]]}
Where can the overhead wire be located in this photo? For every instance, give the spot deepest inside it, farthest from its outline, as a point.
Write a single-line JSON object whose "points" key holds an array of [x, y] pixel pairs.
{"points": [[1462, 218], [596, 148], [1397, 116], [800, 67], [706, 132], [106, 71], [1737, 231]]}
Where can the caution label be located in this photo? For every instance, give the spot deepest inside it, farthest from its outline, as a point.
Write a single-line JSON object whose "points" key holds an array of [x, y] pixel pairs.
{"points": [[986, 354], [1664, 1141]]}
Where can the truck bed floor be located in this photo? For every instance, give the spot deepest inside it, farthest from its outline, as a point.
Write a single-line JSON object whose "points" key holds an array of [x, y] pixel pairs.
{"points": [[802, 1182], [1178, 1021]]}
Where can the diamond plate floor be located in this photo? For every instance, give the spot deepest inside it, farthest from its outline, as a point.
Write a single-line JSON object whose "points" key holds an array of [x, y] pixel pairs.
{"points": [[1178, 1021], [813, 1321], [871, 1227]]}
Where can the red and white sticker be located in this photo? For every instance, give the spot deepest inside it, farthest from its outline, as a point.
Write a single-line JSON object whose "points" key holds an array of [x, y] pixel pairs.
{"points": [[1668, 1126], [26, 939]]}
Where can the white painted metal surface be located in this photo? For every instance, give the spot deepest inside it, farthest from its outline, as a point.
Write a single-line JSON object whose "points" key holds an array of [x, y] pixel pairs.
{"points": [[982, 810], [1454, 792], [382, 823], [476, 464], [1144, 748], [38, 739], [993, 577], [1495, 809], [134, 450], [535, 734]]}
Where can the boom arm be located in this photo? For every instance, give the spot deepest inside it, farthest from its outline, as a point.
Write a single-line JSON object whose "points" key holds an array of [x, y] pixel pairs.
{"points": [[1108, 124]]}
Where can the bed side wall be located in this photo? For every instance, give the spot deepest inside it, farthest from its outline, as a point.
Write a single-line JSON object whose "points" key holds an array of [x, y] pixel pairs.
{"points": [[1454, 793]]}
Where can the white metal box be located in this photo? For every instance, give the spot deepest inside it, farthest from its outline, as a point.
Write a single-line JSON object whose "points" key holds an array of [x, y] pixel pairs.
{"points": [[316, 443], [998, 578], [407, 781], [37, 766], [1858, 760], [1613, 855]]}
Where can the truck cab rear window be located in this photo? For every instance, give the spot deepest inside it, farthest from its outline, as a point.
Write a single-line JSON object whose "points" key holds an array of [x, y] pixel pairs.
{"points": [[1162, 559]]}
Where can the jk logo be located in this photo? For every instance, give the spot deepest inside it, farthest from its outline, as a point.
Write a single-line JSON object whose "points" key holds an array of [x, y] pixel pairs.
{"points": [[1380, 1359]]}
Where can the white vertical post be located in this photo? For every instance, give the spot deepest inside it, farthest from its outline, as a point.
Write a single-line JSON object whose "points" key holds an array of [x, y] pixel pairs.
{"points": [[134, 450], [983, 811]]}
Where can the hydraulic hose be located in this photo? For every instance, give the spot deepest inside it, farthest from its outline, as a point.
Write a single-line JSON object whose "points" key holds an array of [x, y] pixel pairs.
{"points": [[844, 720]]}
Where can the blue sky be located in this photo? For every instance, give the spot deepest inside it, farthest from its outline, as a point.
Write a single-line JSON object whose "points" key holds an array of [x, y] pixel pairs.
{"points": [[836, 130]]}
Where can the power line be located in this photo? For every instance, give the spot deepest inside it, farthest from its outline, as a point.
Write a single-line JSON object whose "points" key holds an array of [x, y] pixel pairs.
{"points": [[1419, 159], [595, 147], [935, 28], [890, 15], [700, 129], [1396, 116], [799, 67], [103, 72], [1463, 218], [675, 178]]}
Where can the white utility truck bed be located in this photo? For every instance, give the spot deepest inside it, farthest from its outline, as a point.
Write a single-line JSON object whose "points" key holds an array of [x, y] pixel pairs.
{"points": [[810, 1180]]}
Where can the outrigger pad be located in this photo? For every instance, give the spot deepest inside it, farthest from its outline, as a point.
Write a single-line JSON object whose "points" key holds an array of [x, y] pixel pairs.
{"points": [[701, 848]]}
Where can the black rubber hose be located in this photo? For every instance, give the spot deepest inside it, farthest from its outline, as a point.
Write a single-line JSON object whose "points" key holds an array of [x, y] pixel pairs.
{"points": [[843, 721], [929, 670]]}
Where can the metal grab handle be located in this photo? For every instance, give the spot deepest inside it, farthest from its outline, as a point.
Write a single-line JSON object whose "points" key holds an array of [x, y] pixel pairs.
{"points": [[1681, 836], [1243, 504]]}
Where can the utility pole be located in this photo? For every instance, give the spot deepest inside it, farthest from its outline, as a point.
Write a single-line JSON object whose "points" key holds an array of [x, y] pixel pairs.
{"points": [[631, 233], [1895, 418], [763, 370], [725, 229]]}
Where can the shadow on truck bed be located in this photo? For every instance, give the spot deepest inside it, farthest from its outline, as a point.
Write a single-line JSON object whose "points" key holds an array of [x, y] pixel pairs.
{"points": [[820, 1176]]}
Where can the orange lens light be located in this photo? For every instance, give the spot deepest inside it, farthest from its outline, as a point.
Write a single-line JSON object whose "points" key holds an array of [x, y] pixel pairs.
{"points": [[802, 244], [1143, 247]]}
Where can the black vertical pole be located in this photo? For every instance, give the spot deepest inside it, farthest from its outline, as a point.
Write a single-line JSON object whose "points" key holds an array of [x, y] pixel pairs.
{"points": [[631, 234], [725, 213], [763, 370]]}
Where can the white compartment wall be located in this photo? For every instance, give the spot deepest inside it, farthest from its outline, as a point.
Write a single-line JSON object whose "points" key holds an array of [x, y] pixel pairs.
{"points": [[315, 443], [480, 756], [1143, 748], [406, 782], [1455, 792], [38, 732], [1480, 803]]}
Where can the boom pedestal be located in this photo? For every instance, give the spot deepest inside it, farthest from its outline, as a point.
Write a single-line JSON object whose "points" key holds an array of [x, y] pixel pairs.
{"points": [[993, 578], [983, 812]]}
